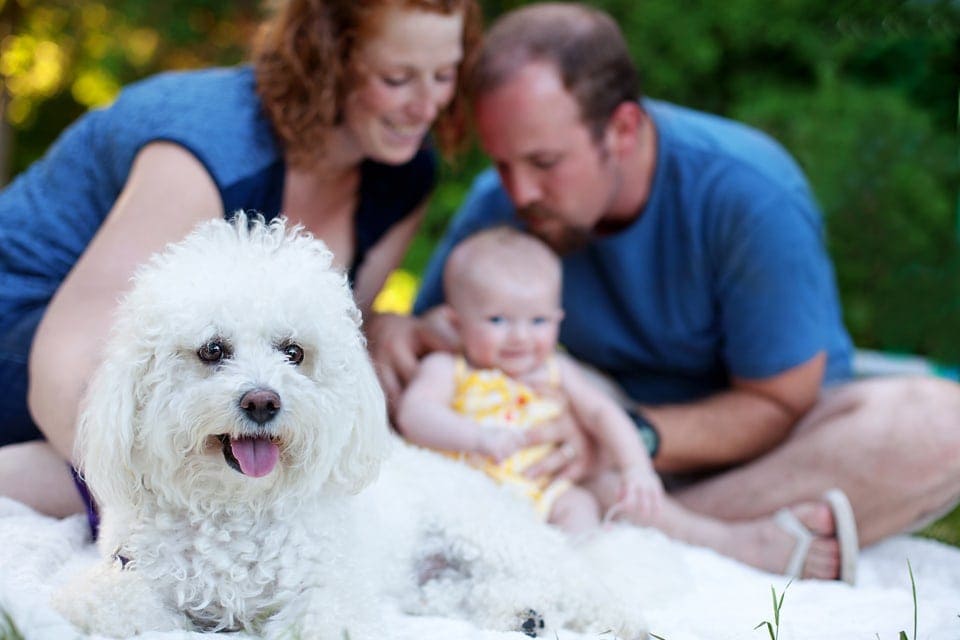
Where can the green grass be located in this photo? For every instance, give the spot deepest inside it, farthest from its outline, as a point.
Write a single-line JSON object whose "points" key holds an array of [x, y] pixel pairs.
{"points": [[946, 529], [8, 629], [773, 628], [913, 589]]}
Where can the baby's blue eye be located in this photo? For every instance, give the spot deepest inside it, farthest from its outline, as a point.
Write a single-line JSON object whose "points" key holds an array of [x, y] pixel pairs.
{"points": [[496, 319], [538, 320]]}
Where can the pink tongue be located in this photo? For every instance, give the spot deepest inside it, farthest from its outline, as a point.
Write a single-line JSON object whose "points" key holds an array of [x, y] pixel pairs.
{"points": [[257, 456]]}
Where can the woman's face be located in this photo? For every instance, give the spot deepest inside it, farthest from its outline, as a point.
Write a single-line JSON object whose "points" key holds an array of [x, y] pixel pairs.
{"points": [[408, 74]]}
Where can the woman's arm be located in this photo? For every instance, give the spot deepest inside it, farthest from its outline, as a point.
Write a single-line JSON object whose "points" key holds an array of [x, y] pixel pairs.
{"points": [[383, 257], [167, 193], [396, 342]]}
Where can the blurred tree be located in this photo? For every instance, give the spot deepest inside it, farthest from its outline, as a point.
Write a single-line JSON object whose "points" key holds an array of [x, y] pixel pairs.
{"points": [[864, 93], [60, 57], [885, 177]]}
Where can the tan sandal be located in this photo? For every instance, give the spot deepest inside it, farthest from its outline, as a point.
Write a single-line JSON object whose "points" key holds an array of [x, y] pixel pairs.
{"points": [[846, 532]]}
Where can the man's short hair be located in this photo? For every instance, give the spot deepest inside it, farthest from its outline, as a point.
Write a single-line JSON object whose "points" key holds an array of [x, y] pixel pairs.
{"points": [[584, 44]]}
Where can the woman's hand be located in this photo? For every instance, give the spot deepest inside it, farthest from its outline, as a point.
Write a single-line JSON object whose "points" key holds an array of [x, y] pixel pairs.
{"points": [[397, 342], [574, 456]]}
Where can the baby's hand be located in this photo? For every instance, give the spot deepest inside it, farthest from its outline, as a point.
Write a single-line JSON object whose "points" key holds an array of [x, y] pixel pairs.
{"points": [[641, 495], [500, 443]]}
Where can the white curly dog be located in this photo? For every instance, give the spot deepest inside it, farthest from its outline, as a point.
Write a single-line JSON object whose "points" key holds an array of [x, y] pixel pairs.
{"points": [[233, 438]]}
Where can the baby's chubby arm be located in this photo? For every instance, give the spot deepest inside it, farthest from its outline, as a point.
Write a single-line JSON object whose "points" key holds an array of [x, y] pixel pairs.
{"points": [[602, 418], [425, 418], [616, 436]]}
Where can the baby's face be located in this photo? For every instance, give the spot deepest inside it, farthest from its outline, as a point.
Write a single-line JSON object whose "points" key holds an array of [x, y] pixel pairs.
{"points": [[512, 327]]}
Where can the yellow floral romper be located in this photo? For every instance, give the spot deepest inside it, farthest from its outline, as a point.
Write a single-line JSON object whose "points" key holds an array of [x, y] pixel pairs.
{"points": [[492, 398]]}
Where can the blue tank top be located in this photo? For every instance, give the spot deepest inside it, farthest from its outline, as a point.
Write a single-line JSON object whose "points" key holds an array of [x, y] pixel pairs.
{"points": [[50, 212]]}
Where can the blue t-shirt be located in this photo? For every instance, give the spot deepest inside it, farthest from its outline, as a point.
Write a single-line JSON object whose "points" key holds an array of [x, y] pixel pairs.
{"points": [[50, 212], [724, 273]]}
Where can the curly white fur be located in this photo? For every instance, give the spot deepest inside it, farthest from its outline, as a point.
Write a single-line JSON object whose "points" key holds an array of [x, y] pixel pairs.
{"points": [[192, 542]]}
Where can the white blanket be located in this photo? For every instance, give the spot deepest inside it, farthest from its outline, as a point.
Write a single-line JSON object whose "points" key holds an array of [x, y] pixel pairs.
{"points": [[686, 593]]}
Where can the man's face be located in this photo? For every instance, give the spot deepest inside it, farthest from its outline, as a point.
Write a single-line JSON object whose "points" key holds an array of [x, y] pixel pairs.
{"points": [[561, 179]]}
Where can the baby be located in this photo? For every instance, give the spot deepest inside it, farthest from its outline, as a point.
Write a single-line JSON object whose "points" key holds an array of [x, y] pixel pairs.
{"points": [[503, 291]]}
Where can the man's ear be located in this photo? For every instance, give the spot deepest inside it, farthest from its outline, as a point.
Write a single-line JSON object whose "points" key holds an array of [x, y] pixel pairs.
{"points": [[623, 128]]}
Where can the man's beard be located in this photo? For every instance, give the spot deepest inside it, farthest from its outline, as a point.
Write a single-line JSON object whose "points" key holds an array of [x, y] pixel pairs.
{"points": [[563, 239]]}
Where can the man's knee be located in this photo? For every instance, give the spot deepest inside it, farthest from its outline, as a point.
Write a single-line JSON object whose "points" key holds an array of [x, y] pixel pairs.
{"points": [[935, 417], [889, 399], [917, 404], [919, 416]]}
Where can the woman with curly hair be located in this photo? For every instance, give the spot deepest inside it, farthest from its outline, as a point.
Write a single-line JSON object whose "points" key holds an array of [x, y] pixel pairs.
{"points": [[327, 125]]}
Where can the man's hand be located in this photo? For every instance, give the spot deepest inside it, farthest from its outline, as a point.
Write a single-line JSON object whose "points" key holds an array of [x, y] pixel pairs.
{"points": [[574, 456], [397, 343]]}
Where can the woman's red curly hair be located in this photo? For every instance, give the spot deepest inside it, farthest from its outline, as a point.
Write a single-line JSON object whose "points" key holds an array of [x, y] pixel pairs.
{"points": [[302, 59]]}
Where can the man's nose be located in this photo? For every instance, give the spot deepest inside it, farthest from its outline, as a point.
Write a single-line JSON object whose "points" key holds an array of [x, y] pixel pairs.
{"points": [[524, 190]]}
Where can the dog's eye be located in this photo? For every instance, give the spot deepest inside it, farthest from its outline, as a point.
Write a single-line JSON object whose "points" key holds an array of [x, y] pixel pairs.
{"points": [[294, 352], [213, 351]]}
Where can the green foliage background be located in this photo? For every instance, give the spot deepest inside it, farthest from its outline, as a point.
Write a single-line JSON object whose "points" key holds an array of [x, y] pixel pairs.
{"points": [[864, 93]]}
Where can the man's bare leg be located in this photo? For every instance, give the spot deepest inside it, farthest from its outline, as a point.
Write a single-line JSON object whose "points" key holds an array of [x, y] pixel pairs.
{"points": [[891, 444], [34, 474]]}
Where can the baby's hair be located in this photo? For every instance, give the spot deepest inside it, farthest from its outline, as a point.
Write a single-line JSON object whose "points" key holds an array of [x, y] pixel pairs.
{"points": [[499, 252]]}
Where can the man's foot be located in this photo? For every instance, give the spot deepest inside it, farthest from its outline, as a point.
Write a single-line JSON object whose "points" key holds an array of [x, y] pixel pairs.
{"points": [[814, 539], [765, 543]]}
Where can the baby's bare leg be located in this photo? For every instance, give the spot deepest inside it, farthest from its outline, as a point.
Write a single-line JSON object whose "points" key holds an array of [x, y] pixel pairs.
{"points": [[759, 542], [576, 511]]}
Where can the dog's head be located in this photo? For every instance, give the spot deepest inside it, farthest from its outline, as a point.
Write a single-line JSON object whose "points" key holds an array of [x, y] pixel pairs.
{"points": [[236, 370]]}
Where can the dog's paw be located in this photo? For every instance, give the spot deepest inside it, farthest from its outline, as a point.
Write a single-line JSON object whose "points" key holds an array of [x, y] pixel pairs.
{"points": [[531, 624]]}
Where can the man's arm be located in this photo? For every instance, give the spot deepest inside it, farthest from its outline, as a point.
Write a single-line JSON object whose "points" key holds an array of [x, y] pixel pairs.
{"points": [[734, 426]]}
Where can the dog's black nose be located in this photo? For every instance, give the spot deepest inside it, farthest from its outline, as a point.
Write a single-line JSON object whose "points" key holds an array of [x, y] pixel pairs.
{"points": [[260, 405]]}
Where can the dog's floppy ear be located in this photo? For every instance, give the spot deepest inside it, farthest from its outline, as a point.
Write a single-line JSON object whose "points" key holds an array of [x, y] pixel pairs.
{"points": [[106, 434], [369, 439]]}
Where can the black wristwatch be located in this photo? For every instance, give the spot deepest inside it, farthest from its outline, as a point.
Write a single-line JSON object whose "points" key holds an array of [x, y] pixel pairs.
{"points": [[648, 433]]}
